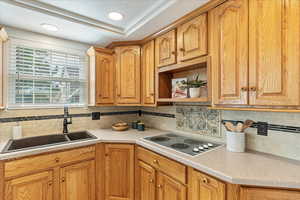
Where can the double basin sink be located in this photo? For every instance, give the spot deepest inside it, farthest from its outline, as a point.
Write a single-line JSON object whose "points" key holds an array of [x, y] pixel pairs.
{"points": [[46, 140]]}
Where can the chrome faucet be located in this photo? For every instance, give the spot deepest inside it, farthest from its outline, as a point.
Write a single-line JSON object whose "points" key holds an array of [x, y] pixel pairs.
{"points": [[66, 121]]}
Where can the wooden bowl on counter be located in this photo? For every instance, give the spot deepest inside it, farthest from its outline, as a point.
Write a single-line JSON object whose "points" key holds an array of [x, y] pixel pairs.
{"points": [[120, 126]]}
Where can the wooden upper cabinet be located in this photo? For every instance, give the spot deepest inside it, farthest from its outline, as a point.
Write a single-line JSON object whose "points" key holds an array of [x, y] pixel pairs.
{"points": [[145, 184], [33, 187], [105, 78], [119, 172], [229, 50], [128, 75], [169, 189], [78, 181], [204, 187], [148, 74], [274, 52], [192, 39], [268, 194], [165, 49]]}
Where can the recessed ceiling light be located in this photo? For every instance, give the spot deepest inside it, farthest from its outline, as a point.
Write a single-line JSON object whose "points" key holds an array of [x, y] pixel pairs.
{"points": [[49, 27], [115, 16]]}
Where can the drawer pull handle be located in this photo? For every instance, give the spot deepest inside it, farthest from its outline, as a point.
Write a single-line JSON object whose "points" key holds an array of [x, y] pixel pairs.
{"points": [[155, 162], [151, 180], [182, 49], [57, 160], [173, 53], [50, 183], [253, 89], [205, 180], [63, 180], [244, 89], [159, 186]]}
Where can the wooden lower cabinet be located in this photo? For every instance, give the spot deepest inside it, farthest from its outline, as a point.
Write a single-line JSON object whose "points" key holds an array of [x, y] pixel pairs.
{"points": [[204, 187], [119, 171], [169, 189], [37, 186], [268, 194], [145, 182], [78, 181]]}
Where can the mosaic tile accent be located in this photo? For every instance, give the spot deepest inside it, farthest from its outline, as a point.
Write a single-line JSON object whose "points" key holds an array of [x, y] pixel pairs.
{"points": [[199, 120]]}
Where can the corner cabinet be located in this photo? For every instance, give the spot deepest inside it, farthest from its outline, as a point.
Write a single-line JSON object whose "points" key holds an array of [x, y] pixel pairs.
{"points": [[165, 49], [119, 171], [148, 74], [229, 50], [192, 39], [128, 75], [169, 189]]}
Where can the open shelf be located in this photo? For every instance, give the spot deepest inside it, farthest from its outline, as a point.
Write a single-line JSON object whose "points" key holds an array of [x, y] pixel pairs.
{"points": [[189, 69]]}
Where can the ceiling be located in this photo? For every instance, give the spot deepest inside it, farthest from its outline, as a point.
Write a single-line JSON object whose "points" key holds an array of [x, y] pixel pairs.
{"points": [[86, 20]]}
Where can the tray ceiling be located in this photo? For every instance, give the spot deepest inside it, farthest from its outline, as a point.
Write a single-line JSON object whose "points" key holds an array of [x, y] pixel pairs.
{"points": [[86, 20]]}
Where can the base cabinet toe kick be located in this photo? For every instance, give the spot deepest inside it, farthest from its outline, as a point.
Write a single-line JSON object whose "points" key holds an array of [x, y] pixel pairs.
{"points": [[112, 171]]}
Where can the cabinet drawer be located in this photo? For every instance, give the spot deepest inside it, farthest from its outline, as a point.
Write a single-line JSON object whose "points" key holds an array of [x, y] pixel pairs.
{"points": [[36, 163], [168, 166]]}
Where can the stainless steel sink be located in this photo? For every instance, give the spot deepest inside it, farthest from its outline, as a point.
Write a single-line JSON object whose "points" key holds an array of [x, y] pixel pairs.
{"points": [[44, 141]]}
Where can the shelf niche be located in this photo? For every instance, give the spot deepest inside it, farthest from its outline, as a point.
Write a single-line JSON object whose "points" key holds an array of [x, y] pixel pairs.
{"points": [[187, 70]]}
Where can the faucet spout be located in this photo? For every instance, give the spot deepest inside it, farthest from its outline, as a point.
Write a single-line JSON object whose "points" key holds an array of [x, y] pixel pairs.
{"points": [[66, 121]]}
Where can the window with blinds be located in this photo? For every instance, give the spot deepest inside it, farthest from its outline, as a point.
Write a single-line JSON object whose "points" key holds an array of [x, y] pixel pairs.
{"points": [[45, 78]]}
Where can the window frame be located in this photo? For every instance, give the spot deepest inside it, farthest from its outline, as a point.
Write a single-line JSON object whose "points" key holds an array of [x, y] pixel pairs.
{"points": [[52, 47]]}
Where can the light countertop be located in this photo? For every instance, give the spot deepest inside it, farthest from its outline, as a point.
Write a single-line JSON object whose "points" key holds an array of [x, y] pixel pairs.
{"points": [[250, 168]]}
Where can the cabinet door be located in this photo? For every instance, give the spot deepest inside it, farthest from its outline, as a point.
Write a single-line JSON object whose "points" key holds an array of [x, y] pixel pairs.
{"points": [[268, 194], [165, 49], [119, 172], [274, 52], [145, 185], [229, 49], [169, 189], [192, 38], [33, 187], [206, 188], [128, 75], [78, 181], [104, 79], [148, 74]]}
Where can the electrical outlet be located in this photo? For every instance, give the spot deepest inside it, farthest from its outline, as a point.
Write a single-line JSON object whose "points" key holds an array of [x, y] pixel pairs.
{"points": [[262, 128], [95, 115]]}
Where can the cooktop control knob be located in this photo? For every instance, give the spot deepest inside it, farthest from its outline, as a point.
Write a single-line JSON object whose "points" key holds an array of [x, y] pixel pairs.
{"points": [[201, 148], [205, 146], [195, 149], [210, 144]]}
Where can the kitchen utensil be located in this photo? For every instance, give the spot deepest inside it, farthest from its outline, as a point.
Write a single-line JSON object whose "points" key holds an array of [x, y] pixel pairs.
{"points": [[229, 126], [247, 124], [239, 127]]}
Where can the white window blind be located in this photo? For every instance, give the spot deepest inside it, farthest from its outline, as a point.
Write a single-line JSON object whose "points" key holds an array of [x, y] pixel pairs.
{"points": [[39, 77]]}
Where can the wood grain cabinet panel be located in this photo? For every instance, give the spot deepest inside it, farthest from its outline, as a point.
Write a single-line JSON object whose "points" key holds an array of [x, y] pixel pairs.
{"points": [[169, 189], [128, 75], [119, 172], [229, 49], [274, 52], [146, 180], [78, 181], [206, 188], [192, 39], [148, 74], [33, 187], [268, 194], [165, 49], [105, 78]]}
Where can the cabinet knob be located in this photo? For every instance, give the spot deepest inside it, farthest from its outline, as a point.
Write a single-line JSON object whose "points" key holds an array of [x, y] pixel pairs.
{"points": [[173, 52], [244, 89], [106, 154], [205, 180], [253, 89], [155, 162], [151, 180], [50, 183], [57, 160], [159, 186], [182, 49], [63, 179], [152, 93]]}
